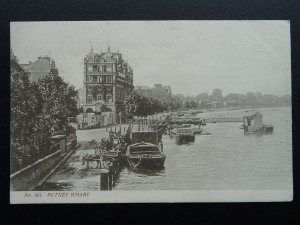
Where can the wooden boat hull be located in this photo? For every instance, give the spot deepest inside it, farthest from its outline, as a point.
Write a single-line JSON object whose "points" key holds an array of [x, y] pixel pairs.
{"points": [[183, 139], [147, 163], [197, 131], [263, 130], [146, 156]]}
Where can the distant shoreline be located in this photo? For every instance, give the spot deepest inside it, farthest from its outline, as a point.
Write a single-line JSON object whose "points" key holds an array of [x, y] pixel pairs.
{"points": [[230, 108]]}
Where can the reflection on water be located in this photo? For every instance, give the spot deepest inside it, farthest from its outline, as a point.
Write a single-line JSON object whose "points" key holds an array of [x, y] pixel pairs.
{"points": [[226, 159]]}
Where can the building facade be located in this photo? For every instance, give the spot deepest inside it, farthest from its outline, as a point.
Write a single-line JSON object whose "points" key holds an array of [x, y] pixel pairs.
{"points": [[108, 79], [39, 68], [158, 92], [161, 93], [143, 91]]}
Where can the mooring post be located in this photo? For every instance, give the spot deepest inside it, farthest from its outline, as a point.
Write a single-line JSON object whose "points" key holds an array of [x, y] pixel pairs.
{"points": [[104, 180], [115, 129], [115, 171], [111, 176]]}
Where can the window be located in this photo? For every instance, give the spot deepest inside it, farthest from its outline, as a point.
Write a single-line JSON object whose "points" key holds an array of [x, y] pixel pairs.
{"points": [[90, 68], [109, 80], [94, 79], [95, 68], [103, 79], [108, 68], [90, 99], [91, 77], [108, 98], [99, 97], [99, 79], [104, 68]]}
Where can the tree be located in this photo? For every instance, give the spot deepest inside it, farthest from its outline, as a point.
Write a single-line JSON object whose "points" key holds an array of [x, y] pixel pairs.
{"points": [[36, 108], [202, 97], [23, 111], [136, 105]]}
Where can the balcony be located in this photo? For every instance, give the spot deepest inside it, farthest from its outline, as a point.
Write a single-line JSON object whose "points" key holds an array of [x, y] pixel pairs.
{"points": [[99, 73]]}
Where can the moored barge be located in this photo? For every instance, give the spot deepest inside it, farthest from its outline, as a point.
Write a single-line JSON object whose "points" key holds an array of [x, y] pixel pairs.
{"points": [[184, 136], [145, 150]]}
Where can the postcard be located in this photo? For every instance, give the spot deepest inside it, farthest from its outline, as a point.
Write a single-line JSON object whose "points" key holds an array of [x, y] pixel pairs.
{"points": [[150, 111]]}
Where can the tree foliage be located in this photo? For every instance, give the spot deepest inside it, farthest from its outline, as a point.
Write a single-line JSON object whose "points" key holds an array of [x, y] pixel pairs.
{"points": [[136, 105], [36, 108]]}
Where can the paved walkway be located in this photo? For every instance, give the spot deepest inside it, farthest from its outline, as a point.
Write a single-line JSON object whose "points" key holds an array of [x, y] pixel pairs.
{"points": [[97, 134]]}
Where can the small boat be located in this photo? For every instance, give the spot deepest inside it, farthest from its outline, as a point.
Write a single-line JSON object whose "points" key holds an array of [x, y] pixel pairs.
{"points": [[254, 125], [180, 114], [196, 129], [179, 126], [185, 135], [145, 155]]}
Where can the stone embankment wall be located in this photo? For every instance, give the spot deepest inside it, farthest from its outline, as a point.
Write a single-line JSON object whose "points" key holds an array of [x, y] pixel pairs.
{"points": [[27, 178]]}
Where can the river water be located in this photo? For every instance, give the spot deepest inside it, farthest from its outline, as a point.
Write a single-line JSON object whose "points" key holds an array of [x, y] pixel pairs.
{"points": [[224, 160]]}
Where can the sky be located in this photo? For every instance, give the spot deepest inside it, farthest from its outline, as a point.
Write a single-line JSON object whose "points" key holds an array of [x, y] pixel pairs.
{"points": [[191, 56]]}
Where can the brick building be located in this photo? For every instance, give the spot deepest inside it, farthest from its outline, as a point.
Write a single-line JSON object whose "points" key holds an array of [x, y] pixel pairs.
{"points": [[108, 79]]}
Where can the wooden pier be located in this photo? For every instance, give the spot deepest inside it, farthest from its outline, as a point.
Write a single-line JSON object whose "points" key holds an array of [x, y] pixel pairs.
{"points": [[224, 119], [200, 121]]}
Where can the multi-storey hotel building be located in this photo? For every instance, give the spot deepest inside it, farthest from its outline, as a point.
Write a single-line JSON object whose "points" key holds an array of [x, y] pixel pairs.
{"points": [[108, 79]]}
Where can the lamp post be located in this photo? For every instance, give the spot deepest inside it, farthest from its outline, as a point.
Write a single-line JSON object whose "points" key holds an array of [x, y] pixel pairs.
{"points": [[52, 130], [120, 116]]}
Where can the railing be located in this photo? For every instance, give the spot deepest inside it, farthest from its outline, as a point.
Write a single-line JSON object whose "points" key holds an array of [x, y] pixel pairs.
{"points": [[71, 138], [54, 148]]}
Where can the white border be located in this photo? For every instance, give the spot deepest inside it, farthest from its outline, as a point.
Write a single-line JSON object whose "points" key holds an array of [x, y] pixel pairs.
{"points": [[18, 197]]}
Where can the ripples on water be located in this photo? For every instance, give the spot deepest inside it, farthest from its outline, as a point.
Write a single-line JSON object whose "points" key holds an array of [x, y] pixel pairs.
{"points": [[226, 159]]}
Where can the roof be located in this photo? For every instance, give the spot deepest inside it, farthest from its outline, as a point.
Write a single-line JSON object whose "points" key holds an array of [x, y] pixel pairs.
{"points": [[142, 88]]}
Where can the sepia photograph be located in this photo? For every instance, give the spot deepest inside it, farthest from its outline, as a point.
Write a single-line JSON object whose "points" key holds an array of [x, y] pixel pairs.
{"points": [[150, 111]]}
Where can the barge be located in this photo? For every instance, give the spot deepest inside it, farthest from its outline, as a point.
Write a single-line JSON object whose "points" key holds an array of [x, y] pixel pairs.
{"points": [[145, 150], [184, 136], [253, 124]]}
